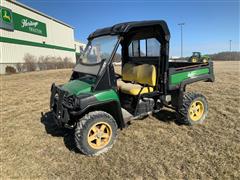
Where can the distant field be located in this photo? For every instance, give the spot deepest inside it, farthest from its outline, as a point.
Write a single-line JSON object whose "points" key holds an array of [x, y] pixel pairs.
{"points": [[155, 147]]}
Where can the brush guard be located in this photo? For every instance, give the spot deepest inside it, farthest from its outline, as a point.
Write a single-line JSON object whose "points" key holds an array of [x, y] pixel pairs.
{"points": [[61, 115]]}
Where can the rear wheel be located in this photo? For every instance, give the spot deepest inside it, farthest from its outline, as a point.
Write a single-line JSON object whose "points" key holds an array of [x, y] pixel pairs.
{"points": [[194, 109], [205, 60], [95, 133]]}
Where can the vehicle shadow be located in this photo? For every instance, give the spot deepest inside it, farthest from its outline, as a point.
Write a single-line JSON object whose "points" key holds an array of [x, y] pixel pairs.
{"points": [[52, 129], [68, 134], [166, 116]]}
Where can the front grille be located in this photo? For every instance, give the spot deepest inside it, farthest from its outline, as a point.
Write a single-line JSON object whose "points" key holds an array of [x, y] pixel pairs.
{"points": [[57, 101], [68, 101], [57, 97], [54, 107]]}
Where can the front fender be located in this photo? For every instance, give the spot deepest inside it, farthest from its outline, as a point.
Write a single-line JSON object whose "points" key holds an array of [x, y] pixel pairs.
{"points": [[112, 107]]}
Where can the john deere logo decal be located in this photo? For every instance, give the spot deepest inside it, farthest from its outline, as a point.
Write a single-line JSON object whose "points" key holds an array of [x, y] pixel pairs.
{"points": [[6, 19], [6, 16], [191, 74]]}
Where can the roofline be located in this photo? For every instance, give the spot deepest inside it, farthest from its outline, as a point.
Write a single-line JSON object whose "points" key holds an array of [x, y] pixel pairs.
{"points": [[38, 12], [122, 28], [75, 40]]}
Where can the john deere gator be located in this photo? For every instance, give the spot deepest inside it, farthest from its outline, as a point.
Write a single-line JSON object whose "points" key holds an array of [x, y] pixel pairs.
{"points": [[96, 101]]}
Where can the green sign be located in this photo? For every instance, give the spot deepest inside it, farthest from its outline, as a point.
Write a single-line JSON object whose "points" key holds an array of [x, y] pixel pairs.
{"points": [[6, 16], [29, 25], [6, 19], [13, 21]]}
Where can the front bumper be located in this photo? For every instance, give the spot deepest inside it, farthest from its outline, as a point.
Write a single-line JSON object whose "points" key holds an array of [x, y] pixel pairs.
{"points": [[59, 110]]}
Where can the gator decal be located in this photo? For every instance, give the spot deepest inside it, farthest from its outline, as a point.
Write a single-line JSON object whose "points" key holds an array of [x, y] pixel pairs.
{"points": [[181, 76]]}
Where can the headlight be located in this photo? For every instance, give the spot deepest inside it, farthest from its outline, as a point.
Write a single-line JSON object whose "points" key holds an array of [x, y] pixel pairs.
{"points": [[56, 97]]}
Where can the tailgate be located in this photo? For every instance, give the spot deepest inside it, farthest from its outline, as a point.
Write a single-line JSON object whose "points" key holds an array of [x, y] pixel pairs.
{"points": [[189, 74]]}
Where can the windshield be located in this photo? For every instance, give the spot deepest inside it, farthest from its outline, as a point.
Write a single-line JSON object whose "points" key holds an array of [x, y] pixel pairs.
{"points": [[99, 49], [196, 54], [94, 58]]}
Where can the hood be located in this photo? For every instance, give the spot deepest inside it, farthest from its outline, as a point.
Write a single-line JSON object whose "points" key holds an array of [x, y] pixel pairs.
{"points": [[76, 87]]}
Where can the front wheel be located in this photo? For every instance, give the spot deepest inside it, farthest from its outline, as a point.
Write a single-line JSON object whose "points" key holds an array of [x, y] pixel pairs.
{"points": [[194, 109], [95, 133]]}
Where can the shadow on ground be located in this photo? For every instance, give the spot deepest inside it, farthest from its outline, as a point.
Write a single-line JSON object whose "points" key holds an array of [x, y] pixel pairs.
{"points": [[68, 134], [167, 116], [51, 128]]}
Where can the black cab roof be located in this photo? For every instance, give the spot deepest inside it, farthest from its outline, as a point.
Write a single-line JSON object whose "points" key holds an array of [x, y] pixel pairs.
{"points": [[124, 28]]}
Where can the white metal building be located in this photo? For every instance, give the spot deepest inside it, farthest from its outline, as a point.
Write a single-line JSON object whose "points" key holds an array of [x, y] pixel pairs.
{"points": [[24, 30]]}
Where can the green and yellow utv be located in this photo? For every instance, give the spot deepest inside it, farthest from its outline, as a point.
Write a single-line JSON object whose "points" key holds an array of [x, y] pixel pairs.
{"points": [[197, 57], [96, 101]]}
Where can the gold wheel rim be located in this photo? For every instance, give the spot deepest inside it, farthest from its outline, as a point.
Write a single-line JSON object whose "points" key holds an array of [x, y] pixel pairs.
{"points": [[196, 110], [99, 135], [194, 60], [205, 61]]}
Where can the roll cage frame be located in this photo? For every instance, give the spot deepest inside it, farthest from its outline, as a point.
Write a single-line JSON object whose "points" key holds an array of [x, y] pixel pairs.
{"points": [[134, 31]]}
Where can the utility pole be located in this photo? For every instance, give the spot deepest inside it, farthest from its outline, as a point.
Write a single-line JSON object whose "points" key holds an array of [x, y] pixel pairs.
{"points": [[230, 45], [181, 26]]}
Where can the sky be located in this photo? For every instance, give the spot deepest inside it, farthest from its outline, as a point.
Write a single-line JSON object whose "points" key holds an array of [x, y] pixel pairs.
{"points": [[209, 25]]}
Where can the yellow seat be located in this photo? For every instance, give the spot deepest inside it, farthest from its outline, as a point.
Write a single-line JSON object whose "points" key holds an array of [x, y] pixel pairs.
{"points": [[143, 74], [133, 89]]}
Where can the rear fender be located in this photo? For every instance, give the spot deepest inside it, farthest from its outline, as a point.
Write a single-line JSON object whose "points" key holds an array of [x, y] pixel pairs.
{"points": [[180, 91]]}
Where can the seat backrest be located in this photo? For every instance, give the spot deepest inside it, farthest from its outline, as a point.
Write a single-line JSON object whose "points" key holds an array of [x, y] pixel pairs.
{"points": [[143, 74]]}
